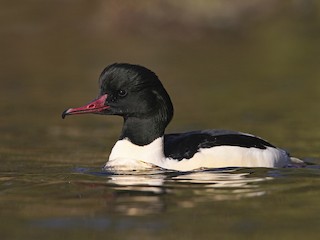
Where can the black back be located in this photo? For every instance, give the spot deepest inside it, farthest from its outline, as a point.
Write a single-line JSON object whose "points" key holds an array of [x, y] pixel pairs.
{"points": [[185, 145]]}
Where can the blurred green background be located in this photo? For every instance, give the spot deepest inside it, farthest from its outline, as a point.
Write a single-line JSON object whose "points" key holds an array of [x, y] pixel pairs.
{"points": [[252, 66]]}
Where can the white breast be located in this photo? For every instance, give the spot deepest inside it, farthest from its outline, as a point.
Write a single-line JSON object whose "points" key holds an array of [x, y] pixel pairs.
{"points": [[127, 156]]}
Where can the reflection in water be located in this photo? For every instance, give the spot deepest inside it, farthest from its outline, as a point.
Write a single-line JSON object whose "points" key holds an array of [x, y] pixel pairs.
{"points": [[138, 194], [142, 194], [224, 185]]}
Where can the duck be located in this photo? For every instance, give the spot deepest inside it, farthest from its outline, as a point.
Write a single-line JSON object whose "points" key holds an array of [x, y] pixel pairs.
{"points": [[137, 95]]}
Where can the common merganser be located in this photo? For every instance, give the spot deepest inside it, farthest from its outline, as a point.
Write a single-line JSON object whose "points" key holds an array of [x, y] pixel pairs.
{"points": [[136, 93]]}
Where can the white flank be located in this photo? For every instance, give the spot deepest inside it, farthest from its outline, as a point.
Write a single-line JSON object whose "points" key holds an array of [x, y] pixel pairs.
{"points": [[128, 156], [231, 156]]}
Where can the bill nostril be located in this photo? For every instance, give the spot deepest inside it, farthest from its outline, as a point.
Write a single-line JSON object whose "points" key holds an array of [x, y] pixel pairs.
{"points": [[91, 106]]}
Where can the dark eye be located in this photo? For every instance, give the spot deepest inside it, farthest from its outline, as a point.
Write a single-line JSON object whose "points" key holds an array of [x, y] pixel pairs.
{"points": [[122, 93]]}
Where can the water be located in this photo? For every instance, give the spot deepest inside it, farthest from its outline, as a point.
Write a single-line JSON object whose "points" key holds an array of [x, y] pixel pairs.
{"points": [[233, 203], [261, 76]]}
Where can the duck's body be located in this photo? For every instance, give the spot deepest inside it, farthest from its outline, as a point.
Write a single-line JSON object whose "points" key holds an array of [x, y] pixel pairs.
{"points": [[176, 152], [136, 94]]}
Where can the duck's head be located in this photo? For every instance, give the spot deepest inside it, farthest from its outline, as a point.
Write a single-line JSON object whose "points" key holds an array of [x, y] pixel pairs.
{"points": [[131, 91]]}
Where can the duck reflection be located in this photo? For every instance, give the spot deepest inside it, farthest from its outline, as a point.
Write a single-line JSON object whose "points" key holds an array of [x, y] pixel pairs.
{"points": [[138, 193], [148, 192]]}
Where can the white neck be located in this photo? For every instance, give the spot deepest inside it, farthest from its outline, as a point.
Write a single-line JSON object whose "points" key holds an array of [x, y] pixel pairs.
{"points": [[126, 155]]}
